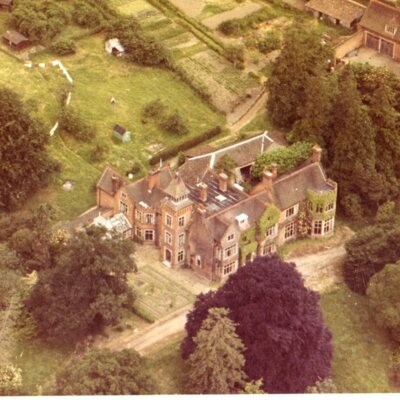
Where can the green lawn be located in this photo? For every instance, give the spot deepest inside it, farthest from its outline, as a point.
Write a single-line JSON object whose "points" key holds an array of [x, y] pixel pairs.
{"points": [[362, 351]]}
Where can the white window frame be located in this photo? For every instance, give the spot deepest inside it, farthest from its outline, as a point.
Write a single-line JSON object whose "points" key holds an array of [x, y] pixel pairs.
{"points": [[230, 237], [271, 231], [229, 268], [328, 225], [138, 232], [138, 215], [292, 226], [181, 218], [198, 261], [291, 211], [149, 218], [319, 208], [318, 227], [268, 248], [168, 220], [168, 237], [181, 239], [123, 207], [181, 255], [330, 206], [152, 234]]}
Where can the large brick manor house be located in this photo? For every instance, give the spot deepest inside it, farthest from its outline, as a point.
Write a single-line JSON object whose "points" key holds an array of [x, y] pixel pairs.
{"points": [[199, 217]]}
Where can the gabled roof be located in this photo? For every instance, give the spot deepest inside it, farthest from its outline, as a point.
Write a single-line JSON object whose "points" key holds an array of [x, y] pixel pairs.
{"points": [[15, 37], [120, 129], [6, 2], [243, 153], [105, 181], [378, 15], [291, 188], [343, 10]]}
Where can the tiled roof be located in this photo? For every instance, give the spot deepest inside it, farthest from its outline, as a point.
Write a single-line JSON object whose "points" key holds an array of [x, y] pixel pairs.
{"points": [[119, 129], [176, 188], [243, 153], [291, 188], [378, 15], [6, 2], [199, 150], [15, 37], [343, 10], [105, 182]]}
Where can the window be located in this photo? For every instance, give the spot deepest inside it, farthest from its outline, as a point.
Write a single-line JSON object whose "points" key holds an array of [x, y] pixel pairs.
{"points": [[168, 238], [231, 237], [230, 251], [268, 248], [138, 215], [198, 261], [181, 239], [390, 29], [290, 230], [149, 235], [330, 207], [229, 268], [317, 227], [181, 256], [168, 220], [309, 205], [181, 221], [328, 227], [149, 218], [138, 232], [123, 207], [289, 212], [123, 196], [271, 231], [319, 208]]}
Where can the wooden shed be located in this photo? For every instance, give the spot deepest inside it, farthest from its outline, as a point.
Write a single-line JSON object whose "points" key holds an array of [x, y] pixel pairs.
{"points": [[15, 40], [6, 4], [122, 134]]}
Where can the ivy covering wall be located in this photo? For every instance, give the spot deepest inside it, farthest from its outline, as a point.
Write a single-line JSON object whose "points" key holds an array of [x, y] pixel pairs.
{"points": [[322, 199]]}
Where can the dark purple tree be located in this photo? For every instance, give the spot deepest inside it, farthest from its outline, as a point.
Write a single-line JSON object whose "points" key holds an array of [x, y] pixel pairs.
{"points": [[279, 321]]}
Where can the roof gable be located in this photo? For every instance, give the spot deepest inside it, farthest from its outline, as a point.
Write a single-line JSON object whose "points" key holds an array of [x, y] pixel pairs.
{"points": [[343, 10]]}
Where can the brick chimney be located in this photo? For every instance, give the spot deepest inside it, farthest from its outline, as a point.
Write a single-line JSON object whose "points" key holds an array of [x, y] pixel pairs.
{"points": [[116, 184], [202, 210], [316, 154], [223, 181], [274, 170], [267, 179], [203, 191], [153, 179]]}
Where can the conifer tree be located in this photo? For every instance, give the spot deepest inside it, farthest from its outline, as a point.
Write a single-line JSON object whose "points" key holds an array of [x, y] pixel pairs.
{"points": [[216, 365], [314, 122], [353, 145]]}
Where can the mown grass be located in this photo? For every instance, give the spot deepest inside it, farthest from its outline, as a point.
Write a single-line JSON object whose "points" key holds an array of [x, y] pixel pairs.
{"points": [[362, 351]]}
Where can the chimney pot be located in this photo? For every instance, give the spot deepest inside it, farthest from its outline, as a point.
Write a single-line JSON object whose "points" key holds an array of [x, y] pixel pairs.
{"points": [[223, 181], [316, 154], [267, 179], [153, 179], [203, 191], [115, 183], [274, 170]]}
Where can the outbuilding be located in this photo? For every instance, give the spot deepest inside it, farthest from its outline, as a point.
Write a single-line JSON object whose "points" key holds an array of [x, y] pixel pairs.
{"points": [[347, 13], [15, 40], [122, 134], [6, 4]]}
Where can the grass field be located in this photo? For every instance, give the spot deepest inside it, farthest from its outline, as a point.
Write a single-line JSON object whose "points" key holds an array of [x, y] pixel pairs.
{"points": [[362, 351]]}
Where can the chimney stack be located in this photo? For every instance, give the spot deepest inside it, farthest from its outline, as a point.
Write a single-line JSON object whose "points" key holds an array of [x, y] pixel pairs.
{"points": [[267, 179], [274, 170], [116, 184], [203, 191], [223, 181], [316, 154], [153, 179]]}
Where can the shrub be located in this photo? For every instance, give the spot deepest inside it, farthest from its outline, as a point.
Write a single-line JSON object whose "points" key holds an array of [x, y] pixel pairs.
{"points": [[351, 204], [63, 47], [165, 154], [153, 110], [72, 123], [99, 152], [385, 211], [181, 158], [270, 42], [174, 124], [143, 313], [86, 15]]}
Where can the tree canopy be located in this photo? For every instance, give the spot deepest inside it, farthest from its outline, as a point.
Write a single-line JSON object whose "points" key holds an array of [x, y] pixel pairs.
{"points": [[279, 322], [216, 365], [103, 372], [25, 165], [85, 289], [383, 295]]}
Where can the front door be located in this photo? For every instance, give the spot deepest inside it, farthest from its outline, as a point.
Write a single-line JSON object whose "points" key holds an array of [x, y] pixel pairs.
{"points": [[387, 48], [168, 255]]}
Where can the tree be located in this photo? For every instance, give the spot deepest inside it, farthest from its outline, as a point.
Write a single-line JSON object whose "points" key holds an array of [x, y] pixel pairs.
{"points": [[226, 163], [278, 320], [216, 365], [304, 55], [102, 372], [25, 165], [10, 380], [315, 111], [10, 277], [72, 122], [352, 153], [383, 296], [85, 289], [174, 124], [326, 386], [369, 251], [253, 387]]}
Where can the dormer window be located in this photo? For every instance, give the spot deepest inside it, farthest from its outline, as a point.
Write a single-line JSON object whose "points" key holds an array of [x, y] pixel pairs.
{"points": [[390, 29], [242, 219]]}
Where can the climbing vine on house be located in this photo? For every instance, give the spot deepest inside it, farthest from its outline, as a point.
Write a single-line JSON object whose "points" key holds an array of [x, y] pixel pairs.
{"points": [[318, 201]]}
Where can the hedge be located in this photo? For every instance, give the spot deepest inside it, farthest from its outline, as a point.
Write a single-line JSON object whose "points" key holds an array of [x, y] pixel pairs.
{"points": [[143, 313], [173, 151]]}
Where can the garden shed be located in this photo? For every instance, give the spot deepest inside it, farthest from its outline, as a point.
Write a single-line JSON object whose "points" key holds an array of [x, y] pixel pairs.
{"points": [[6, 4], [15, 40], [122, 134]]}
